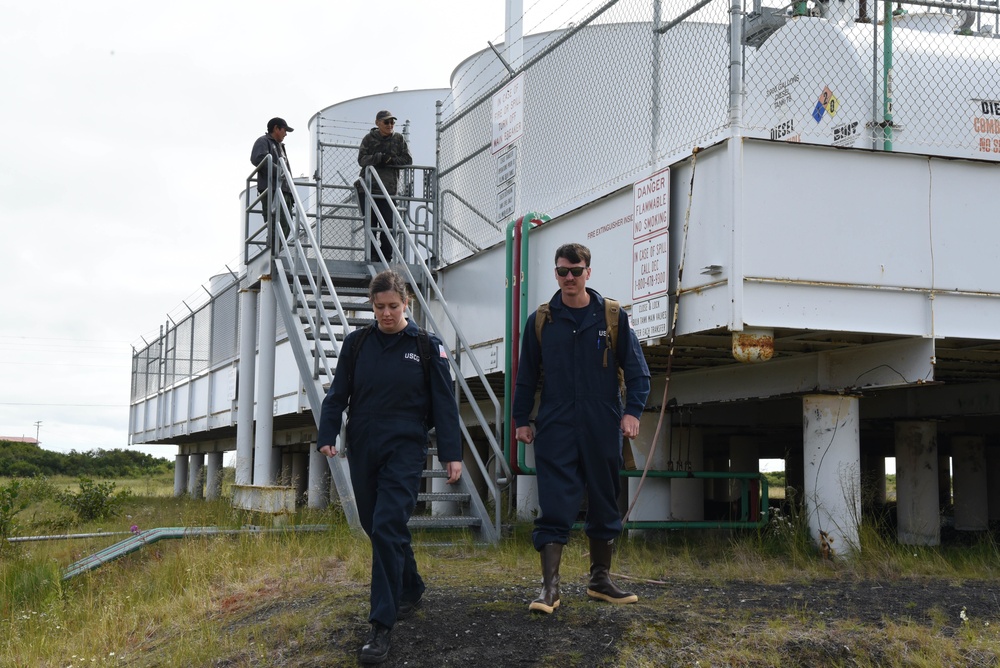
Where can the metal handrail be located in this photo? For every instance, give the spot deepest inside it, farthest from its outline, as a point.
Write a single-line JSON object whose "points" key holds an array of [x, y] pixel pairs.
{"points": [[371, 177], [290, 253], [267, 166], [295, 252]]}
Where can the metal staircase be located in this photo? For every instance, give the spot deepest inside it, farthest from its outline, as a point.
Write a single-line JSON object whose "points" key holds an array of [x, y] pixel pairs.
{"points": [[322, 299]]}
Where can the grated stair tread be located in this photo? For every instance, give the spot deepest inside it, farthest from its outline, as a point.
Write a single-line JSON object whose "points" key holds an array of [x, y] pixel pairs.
{"points": [[443, 521], [443, 496]]}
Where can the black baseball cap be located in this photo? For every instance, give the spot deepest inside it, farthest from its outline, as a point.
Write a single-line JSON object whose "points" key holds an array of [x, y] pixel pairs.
{"points": [[278, 123], [382, 115]]}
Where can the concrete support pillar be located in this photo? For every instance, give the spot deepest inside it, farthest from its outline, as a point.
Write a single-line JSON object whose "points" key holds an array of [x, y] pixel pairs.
{"points": [[180, 474], [744, 457], [873, 480], [831, 440], [285, 473], [917, 510], [971, 505], [653, 502], [245, 391], [281, 467], [687, 495], [195, 469], [527, 489], [717, 489], [213, 477], [944, 479], [263, 452], [300, 461], [993, 481], [319, 479], [795, 476]]}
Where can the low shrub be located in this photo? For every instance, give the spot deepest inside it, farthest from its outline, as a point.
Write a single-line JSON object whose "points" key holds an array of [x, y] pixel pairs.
{"points": [[95, 500]]}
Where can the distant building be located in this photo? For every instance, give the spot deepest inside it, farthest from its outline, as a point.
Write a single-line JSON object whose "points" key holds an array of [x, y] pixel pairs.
{"points": [[19, 439]]}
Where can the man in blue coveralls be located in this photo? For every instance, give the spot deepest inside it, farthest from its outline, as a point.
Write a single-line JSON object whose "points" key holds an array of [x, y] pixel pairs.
{"points": [[580, 423]]}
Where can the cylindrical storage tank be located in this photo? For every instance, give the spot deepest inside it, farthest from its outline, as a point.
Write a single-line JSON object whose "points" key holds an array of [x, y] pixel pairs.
{"points": [[598, 109], [335, 133], [345, 124], [812, 81]]}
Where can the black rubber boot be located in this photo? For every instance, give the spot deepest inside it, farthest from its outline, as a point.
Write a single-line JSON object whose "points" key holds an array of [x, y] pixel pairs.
{"points": [[548, 599], [601, 587], [376, 647], [407, 608]]}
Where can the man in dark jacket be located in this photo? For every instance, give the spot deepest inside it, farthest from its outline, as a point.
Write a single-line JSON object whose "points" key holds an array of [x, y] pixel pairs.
{"points": [[580, 423], [386, 151], [272, 144]]}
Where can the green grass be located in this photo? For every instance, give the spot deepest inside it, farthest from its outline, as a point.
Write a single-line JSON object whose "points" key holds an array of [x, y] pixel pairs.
{"points": [[247, 598]]}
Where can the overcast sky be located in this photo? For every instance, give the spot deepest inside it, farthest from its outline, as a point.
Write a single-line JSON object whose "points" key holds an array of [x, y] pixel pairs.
{"points": [[129, 126]]}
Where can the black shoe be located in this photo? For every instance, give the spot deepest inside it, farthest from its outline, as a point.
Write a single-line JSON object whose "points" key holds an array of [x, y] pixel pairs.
{"points": [[407, 608], [376, 647]]}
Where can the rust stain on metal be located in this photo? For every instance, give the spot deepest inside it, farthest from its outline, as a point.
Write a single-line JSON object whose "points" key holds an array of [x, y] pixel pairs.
{"points": [[753, 346]]}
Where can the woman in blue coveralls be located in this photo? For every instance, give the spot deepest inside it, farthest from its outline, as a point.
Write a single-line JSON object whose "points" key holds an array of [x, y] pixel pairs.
{"points": [[390, 409]]}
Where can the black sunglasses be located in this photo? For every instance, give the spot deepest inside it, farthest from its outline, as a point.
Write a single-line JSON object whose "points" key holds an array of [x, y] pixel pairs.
{"points": [[576, 271], [389, 122]]}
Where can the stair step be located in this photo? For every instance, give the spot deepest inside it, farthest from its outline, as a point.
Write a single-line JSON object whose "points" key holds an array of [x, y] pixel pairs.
{"points": [[442, 521], [434, 473], [461, 497]]}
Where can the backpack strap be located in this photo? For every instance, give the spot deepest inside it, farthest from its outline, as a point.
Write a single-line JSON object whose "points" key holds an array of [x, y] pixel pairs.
{"points": [[365, 332], [611, 309], [542, 315], [424, 349], [424, 346]]}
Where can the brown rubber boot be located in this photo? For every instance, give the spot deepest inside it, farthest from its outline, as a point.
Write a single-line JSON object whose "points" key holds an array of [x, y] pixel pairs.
{"points": [[601, 587], [548, 599]]}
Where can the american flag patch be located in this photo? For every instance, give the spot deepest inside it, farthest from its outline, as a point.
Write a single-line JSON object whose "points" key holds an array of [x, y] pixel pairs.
{"points": [[442, 352]]}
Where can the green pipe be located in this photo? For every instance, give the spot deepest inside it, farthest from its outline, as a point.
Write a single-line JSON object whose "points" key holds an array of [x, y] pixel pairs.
{"points": [[523, 316], [144, 538], [887, 77], [510, 281], [732, 475], [508, 328], [744, 523]]}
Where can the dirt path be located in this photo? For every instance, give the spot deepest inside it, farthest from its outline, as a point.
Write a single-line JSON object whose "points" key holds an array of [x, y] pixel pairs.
{"points": [[680, 623]]}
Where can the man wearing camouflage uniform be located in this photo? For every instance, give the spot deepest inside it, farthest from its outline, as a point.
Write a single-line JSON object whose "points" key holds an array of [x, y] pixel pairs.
{"points": [[386, 151]]}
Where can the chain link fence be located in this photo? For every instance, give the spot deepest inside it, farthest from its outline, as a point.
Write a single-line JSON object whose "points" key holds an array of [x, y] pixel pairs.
{"points": [[207, 338], [340, 222], [632, 84]]}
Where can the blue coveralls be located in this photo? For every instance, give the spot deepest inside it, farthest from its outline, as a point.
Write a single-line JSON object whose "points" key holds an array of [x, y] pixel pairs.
{"points": [[578, 438], [387, 448]]}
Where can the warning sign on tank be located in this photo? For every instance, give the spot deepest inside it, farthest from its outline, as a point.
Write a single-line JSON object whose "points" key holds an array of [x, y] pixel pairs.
{"points": [[651, 205], [650, 261], [827, 104], [986, 125], [649, 318]]}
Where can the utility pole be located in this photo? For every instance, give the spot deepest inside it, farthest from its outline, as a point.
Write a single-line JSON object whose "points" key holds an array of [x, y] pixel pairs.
{"points": [[38, 427]]}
